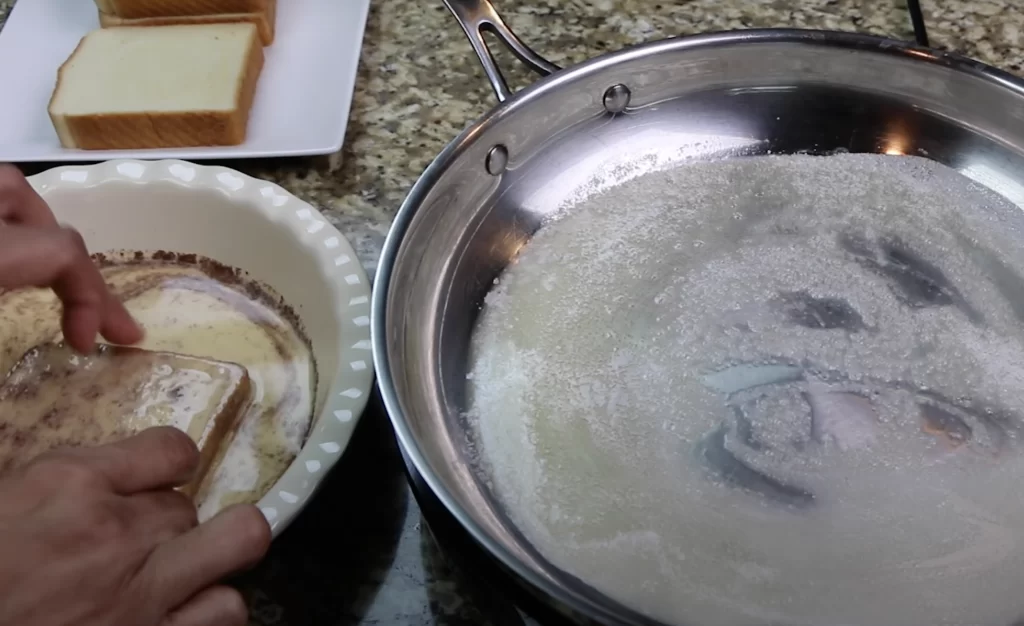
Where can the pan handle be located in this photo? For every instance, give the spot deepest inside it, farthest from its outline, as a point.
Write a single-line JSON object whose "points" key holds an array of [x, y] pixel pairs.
{"points": [[477, 16]]}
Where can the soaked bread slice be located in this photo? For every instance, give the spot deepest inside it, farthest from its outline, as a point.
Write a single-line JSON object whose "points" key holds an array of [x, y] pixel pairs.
{"points": [[54, 397]]}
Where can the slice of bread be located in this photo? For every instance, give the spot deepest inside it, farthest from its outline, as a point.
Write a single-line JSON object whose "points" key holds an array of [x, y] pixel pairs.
{"points": [[54, 398], [158, 87], [167, 8], [264, 20]]}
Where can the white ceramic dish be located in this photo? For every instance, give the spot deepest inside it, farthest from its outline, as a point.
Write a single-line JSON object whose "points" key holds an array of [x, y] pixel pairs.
{"points": [[302, 101], [258, 227]]}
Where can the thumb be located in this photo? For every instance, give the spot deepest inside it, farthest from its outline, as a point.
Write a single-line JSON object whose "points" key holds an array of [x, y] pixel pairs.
{"points": [[156, 458]]}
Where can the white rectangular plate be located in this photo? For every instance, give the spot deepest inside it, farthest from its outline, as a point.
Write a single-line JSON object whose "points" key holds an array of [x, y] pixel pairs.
{"points": [[302, 100]]}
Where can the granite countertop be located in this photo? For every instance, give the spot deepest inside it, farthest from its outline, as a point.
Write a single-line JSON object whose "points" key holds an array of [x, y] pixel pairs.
{"points": [[372, 561]]}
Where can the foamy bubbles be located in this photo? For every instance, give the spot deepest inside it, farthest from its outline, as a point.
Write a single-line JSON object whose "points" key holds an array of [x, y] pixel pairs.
{"points": [[671, 358]]}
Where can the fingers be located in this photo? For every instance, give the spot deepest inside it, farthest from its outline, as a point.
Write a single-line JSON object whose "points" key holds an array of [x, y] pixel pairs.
{"points": [[89, 307], [163, 515], [19, 202], [117, 325], [57, 257], [37, 256], [216, 606], [157, 458], [234, 540], [37, 252]]}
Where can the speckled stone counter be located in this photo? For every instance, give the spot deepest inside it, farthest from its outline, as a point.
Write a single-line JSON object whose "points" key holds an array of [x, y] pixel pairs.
{"points": [[360, 554]]}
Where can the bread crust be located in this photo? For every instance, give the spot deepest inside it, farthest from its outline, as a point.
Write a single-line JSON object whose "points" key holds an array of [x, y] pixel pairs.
{"points": [[67, 138], [162, 129], [168, 8], [264, 21], [219, 437]]}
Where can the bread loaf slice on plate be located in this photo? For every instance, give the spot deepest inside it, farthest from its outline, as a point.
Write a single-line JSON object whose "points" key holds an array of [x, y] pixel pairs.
{"points": [[166, 8], [158, 87], [55, 398], [264, 20]]}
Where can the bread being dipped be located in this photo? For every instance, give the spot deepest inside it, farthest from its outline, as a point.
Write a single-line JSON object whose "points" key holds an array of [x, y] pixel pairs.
{"points": [[195, 312], [54, 397]]}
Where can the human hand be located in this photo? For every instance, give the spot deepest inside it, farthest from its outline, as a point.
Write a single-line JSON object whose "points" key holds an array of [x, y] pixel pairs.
{"points": [[36, 251], [97, 537]]}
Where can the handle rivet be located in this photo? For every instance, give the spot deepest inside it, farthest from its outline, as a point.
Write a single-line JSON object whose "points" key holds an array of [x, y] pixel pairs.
{"points": [[616, 98], [497, 160]]}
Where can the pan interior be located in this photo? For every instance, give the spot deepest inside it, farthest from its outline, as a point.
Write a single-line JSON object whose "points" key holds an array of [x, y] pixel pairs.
{"points": [[730, 391]]}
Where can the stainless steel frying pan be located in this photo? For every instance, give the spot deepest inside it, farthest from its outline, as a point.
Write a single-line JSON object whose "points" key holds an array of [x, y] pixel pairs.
{"points": [[723, 95]]}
